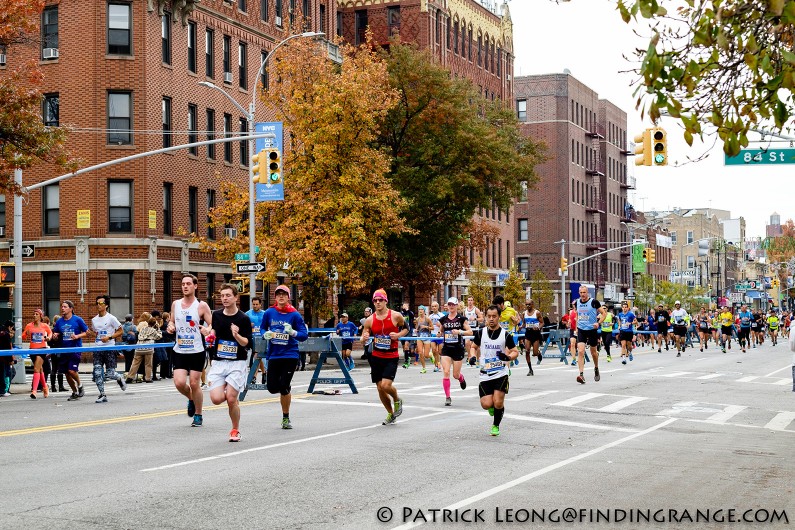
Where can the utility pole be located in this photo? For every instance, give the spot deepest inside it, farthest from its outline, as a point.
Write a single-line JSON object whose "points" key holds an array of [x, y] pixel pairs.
{"points": [[563, 306]]}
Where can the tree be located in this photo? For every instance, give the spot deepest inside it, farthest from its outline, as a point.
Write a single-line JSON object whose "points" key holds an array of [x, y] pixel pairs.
{"points": [[543, 295], [480, 286], [781, 254], [645, 288], [339, 207], [513, 289], [727, 63], [452, 152], [24, 139]]}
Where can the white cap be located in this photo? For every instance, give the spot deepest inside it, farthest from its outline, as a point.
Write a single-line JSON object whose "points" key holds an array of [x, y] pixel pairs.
{"points": [[452, 300], [677, 303]]}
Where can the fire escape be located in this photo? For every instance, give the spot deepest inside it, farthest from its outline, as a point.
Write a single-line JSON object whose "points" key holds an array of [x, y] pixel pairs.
{"points": [[595, 203]]}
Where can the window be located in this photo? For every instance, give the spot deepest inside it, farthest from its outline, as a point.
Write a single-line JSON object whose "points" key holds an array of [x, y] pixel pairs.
{"points": [[51, 209], [339, 24], [523, 232], [49, 28], [3, 215], [51, 282], [165, 36], [449, 29], [691, 262], [508, 252], [227, 134], [292, 13], [120, 206], [438, 27], [689, 237], [119, 26], [192, 47], [322, 28], [241, 5], [49, 110], [210, 206], [673, 238], [523, 264], [211, 290], [278, 13], [306, 14], [209, 53], [499, 253], [242, 49], [166, 122], [227, 55], [168, 282], [193, 135], [167, 209], [455, 37], [211, 133], [243, 143], [119, 118], [523, 196], [361, 25], [469, 47], [521, 109], [263, 10], [120, 291], [264, 80], [193, 210]]}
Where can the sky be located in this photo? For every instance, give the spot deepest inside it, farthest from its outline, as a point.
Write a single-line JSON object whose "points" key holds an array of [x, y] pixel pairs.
{"points": [[589, 38]]}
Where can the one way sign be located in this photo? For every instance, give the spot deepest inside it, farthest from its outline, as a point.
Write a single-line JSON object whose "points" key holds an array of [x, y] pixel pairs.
{"points": [[250, 267], [28, 251]]}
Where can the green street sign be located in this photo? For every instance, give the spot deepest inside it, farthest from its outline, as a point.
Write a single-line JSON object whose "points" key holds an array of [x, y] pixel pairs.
{"points": [[245, 256], [750, 157]]}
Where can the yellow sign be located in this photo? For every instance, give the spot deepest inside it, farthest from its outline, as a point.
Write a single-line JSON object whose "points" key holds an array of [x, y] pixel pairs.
{"points": [[83, 218], [152, 219]]}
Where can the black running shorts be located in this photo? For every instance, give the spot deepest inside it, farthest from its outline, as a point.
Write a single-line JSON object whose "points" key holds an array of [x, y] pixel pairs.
{"points": [[625, 336], [487, 388], [280, 375], [381, 368], [192, 362], [726, 330], [588, 336], [533, 335], [680, 331]]}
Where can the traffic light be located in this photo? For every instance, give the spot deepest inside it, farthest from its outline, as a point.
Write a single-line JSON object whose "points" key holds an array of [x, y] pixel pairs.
{"points": [[643, 148], [564, 265], [645, 254], [274, 166], [652, 255], [256, 160], [659, 142], [7, 274]]}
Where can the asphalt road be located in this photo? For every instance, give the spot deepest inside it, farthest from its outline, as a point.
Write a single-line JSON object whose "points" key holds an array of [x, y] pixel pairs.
{"points": [[672, 439]]}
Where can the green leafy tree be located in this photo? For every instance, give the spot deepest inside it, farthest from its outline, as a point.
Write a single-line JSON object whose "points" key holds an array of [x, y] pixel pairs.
{"points": [[645, 292], [479, 286], [543, 295], [513, 289], [727, 63]]}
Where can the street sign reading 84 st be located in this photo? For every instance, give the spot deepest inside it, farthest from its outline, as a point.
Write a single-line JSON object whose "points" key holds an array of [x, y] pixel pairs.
{"points": [[761, 156]]}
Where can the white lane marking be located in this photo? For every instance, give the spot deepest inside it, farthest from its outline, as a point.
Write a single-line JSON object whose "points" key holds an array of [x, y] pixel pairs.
{"points": [[521, 480], [782, 382], [558, 367], [578, 399], [597, 427], [618, 405], [676, 374], [709, 376], [701, 359], [282, 444], [781, 421], [747, 379], [788, 367], [727, 413], [613, 370], [525, 397]]}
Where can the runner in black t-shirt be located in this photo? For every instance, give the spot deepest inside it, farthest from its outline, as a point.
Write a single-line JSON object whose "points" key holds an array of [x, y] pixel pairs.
{"points": [[453, 326], [663, 321]]}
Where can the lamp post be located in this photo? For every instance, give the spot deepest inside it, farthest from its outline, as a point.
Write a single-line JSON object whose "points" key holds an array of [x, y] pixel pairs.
{"points": [[249, 114]]}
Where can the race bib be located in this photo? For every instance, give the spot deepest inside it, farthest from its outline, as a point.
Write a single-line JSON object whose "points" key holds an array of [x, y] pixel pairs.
{"points": [[227, 349], [68, 334], [255, 330], [37, 337], [346, 334], [449, 338], [185, 342], [281, 339], [661, 319], [704, 325], [382, 343], [102, 334], [504, 325], [492, 365]]}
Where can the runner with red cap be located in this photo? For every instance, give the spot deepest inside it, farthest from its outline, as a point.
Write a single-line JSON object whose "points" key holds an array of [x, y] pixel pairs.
{"points": [[387, 327]]}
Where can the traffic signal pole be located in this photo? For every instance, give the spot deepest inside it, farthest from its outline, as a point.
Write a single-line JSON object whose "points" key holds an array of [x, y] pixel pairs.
{"points": [[18, 262]]}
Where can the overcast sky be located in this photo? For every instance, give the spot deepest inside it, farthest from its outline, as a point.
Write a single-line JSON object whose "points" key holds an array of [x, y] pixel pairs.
{"points": [[589, 38]]}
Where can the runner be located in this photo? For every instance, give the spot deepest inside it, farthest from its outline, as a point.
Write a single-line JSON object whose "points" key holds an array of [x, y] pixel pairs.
{"points": [[424, 327], [572, 321], [408, 316], [590, 314], [652, 327], [607, 332], [436, 345], [713, 328], [744, 333], [37, 333], [347, 330], [679, 319], [368, 346], [453, 326], [726, 321], [756, 325], [703, 328], [284, 327], [474, 317], [189, 355], [663, 322], [509, 317], [70, 330], [255, 315], [233, 337], [532, 333], [772, 326], [387, 327], [495, 349], [626, 319], [107, 329]]}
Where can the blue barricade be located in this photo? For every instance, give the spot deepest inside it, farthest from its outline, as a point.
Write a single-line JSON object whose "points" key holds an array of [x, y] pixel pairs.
{"points": [[80, 349]]}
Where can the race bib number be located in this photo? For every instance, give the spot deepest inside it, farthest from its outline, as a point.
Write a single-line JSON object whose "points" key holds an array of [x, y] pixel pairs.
{"points": [[227, 349], [37, 338], [255, 330], [504, 325], [449, 338], [661, 319], [704, 325], [492, 365], [102, 334], [382, 343], [68, 334], [185, 342], [281, 339], [346, 334]]}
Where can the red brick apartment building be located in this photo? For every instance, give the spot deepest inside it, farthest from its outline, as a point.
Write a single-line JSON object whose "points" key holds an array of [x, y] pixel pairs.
{"points": [[582, 192], [124, 75], [473, 41]]}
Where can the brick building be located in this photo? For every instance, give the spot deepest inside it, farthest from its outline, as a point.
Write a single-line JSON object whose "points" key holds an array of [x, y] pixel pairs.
{"points": [[581, 195], [124, 75], [472, 39]]}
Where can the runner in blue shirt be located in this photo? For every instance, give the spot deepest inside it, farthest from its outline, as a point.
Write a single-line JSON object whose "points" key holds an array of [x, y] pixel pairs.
{"points": [[347, 330], [626, 333], [744, 333], [70, 329], [255, 314]]}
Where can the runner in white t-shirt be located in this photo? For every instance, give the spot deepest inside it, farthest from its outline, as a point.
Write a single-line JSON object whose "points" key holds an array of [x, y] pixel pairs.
{"points": [[107, 329]]}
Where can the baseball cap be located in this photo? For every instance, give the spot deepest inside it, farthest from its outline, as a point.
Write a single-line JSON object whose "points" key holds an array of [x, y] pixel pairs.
{"points": [[283, 288], [380, 294], [452, 300], [344, 314], [677, 303]]}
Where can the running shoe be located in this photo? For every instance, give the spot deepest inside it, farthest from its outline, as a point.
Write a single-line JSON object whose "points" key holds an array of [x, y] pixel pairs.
{"points": [[32, 395], [631, 358], [234, 435], [678, 354], [530, 371], [80, 391], [102, 399], [433, 361], [666, 347], [723, 350], [197, 421], [122, 383], [286, 423], [573, 361], [609, 358], [390, 420], [623, 360], [659, 350], [423, 371], [495, 431], [596, 376], [406, 365], [191, 408], [730, 345], [74, 397], [398, 408], [581, 379], [435, 368], [448, 402], [491, 411], [702, 349], [463, 382]]}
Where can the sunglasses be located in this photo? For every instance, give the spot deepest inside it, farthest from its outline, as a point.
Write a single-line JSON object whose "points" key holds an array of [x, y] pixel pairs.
{"points": [[101, 303]]}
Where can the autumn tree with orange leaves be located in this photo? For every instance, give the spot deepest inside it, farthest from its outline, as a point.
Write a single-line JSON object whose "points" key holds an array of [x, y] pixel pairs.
{"points": [[24, 139]]}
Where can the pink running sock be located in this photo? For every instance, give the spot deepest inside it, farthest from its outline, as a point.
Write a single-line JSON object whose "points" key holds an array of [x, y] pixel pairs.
{"points": [[446, 386], [461, 378], [35, 387]]}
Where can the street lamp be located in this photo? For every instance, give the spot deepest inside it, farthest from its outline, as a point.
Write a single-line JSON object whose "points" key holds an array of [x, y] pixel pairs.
{"points": [[252, 255]]}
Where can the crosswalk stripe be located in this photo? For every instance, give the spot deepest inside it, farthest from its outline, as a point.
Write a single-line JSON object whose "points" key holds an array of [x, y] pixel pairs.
{"points": [[676, 374], [618, 405], [709, 376], [727, 413], [577, 399], [782, 382], [781, 421], [747, 379]]}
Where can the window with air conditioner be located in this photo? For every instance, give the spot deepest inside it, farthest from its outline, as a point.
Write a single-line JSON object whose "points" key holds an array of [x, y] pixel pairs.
{"points": [[49, 32], [2, 55], [230, 232], [227, 59], [2, 215]]}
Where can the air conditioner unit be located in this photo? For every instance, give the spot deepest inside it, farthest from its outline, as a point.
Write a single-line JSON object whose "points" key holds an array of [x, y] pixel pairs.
{"points": [[227, 77], [2, 231], [2, 59], [231, 233], [50, 53], [278, 21], [509, 77]]}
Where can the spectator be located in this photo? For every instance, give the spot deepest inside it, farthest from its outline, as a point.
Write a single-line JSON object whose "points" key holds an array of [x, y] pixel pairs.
{"points": [[148, 335], [8, 361], [167, 365]]}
